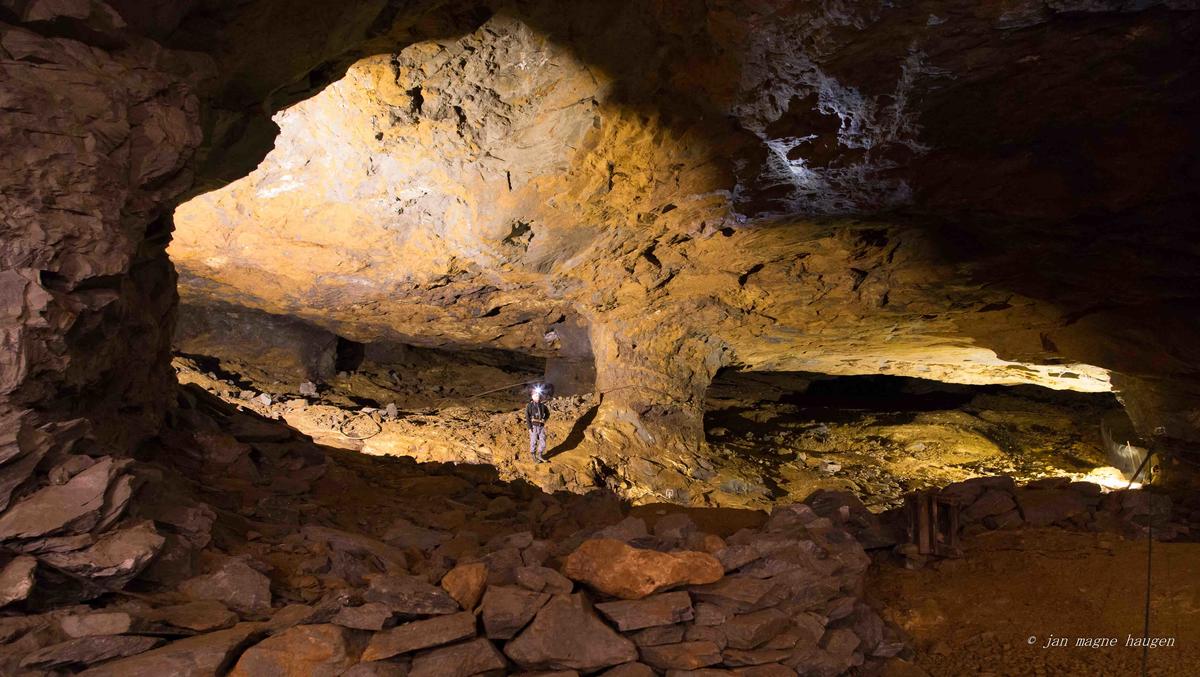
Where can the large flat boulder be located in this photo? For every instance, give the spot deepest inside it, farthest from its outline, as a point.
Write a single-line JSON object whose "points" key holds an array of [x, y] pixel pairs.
{"points": [[617, 569]]}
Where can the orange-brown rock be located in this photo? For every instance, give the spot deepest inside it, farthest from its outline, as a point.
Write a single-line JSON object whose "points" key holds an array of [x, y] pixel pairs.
{"points": [[302, 651], [465, 583], [620, 570]]}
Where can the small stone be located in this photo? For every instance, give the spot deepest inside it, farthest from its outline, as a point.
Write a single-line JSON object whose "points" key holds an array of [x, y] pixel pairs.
{"points": [[308, 389], [97, 623], [465, 583], [16, 579], [202, 616], [628, 529]]}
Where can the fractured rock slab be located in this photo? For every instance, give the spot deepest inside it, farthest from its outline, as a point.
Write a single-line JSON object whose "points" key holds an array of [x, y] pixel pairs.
{"points": [[410, 595], [506, 611], [682, 656], [235, 584], [617, 569], [88, 650], [663, 609], [303, 651], [567, 635], [459, 660], [419, 635]]}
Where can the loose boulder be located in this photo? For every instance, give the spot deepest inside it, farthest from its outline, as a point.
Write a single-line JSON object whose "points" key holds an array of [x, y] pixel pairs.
{"points": [[617, 569]]}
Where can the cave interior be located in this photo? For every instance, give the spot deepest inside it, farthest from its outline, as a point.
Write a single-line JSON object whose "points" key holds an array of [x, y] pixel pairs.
{"points": [[867, 333]]}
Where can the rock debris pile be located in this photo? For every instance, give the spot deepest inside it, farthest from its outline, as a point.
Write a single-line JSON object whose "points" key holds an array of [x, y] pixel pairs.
{"points": [[253, 552]]}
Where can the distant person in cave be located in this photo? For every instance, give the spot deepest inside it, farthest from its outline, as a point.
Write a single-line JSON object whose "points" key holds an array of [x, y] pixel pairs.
{"points": [[536, 413]]}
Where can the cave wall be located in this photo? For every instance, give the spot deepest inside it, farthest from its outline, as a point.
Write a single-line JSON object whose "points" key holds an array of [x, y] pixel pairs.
{"points": [[98, 127]]}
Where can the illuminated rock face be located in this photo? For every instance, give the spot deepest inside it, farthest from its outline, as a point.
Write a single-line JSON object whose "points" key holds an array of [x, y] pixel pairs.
{"points": [[476, 191]]}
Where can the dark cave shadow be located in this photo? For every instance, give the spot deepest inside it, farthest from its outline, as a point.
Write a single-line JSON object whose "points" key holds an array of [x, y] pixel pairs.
{"points": [[576, 435]]}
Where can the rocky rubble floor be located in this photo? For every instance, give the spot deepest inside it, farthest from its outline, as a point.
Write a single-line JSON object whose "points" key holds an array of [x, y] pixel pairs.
{"points": [[239, 546], [883, 449], [762, 449], [282, 557]]}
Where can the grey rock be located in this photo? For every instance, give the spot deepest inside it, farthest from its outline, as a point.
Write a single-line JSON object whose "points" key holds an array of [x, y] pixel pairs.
{"points": [[85, 651], [116, 558], [370, 616], [410, 595], [235, 584], [98, 623], [72, 506], [405, 534], [505, 611], [567, 635]]}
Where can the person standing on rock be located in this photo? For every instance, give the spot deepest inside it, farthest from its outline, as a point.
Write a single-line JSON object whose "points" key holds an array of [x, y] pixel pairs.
{"points": [[536, 413]]}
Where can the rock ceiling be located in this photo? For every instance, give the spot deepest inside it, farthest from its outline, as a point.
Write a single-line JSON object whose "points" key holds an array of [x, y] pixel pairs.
{"points": [[775, 189]]}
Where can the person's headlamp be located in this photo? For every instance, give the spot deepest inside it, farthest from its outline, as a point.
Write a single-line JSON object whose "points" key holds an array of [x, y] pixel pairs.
{"points": [[539, 389]]}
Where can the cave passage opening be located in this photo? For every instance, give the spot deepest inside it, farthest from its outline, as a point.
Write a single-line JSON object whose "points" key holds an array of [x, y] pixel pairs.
{"points": [[881, 436]]}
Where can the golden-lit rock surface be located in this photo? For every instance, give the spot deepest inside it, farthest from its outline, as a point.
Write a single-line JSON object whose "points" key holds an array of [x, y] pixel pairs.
{"points": [[474, 192]]}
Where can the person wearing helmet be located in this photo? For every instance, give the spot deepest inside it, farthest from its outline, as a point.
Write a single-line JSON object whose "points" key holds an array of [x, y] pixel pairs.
{"points": [[536, 413]]}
